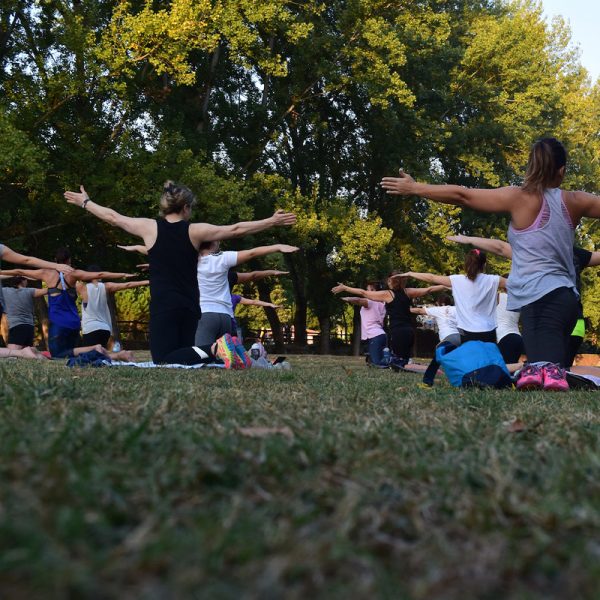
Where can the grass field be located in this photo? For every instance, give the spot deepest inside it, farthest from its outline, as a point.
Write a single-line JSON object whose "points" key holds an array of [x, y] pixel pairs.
{"points": [[328, 481]]}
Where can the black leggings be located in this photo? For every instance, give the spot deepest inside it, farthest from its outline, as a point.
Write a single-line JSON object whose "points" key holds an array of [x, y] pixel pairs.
{"points": [[172, 338], [401, 341], [511, 348], [547, 324], [99, 336], [477, 336]]}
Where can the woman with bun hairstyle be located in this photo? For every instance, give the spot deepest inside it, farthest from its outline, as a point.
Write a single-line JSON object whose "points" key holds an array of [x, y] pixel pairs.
{"points": [[398, 301], [541, 234], [474, 297], [172, 243]]}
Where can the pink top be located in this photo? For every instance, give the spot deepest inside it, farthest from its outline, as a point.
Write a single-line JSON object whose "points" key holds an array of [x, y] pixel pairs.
{"points": [[371, 320]]}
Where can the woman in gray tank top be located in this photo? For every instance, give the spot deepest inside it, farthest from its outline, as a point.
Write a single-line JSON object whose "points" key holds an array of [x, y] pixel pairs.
{"points": [[541, 232]]}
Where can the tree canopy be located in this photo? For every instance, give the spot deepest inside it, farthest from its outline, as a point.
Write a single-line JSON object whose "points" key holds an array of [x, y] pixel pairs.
{"points": [[303, 105]]}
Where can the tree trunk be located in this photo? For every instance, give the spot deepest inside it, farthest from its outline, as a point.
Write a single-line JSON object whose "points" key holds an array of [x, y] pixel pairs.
{"points": [[264, 294], [41, 311], [325, 326], [112, 309], [214, 61], [356, 331], [300, 300]]}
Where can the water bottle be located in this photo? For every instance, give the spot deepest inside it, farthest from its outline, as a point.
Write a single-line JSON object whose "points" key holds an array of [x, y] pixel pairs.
{"points": [[116, 346], [386, 356]]}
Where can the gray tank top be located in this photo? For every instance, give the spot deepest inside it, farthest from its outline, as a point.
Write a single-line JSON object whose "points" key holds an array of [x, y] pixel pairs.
{"points": [[542, 254], [95, 314]]}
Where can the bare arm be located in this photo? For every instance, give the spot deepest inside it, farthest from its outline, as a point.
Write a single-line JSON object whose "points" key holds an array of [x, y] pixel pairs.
{"points": [[245, 255], [143, 228], [253, 302], [418, 310], [497, 200], [583, 204], [205, 232], [39, 274], [420, 292], [442, 280], [492, 246], [256, 275], [381, 296], [358, 301], [40, 292], [30, 261], [135, 248], [502, 283], [90, 276], [111, 288]]}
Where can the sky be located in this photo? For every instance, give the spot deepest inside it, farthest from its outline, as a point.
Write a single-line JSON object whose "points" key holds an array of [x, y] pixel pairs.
{"points": [[583, 17]]}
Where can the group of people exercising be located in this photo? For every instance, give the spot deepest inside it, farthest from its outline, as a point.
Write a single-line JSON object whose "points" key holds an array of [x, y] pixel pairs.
{"points": [[542, 287]]}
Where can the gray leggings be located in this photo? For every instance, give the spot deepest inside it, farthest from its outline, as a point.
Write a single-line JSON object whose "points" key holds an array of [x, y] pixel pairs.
{"points": [[211, 327]]}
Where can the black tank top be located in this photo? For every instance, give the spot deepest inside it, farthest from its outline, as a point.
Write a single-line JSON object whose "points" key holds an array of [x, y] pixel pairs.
{"points": [[173, 269], [398, 310]]}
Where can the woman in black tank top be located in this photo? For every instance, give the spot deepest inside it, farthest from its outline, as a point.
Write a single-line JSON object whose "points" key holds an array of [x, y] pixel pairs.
{"points": [[398, 300], [172, 244]]}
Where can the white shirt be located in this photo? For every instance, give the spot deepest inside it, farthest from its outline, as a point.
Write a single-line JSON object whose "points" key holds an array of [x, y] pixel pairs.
{"points": [[445, 319], [215, 296], [95, 314], [475, 301], [508, 320]]}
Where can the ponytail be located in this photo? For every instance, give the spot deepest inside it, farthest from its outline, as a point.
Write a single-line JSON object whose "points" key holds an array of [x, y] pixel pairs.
{"points": [[546, 158], [475, 262]]}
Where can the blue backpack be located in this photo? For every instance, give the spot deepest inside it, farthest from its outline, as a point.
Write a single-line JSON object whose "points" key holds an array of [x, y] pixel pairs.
{"points": [[474, 364]]}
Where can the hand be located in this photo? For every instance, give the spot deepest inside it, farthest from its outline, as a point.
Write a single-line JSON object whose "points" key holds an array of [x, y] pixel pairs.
{"points": [[399, 186], [459, 239], [281, 218], [278, 273], [275, 306], [285, 249], [409, 274], [129, 275], [66, 269], [340, 287], [75, 198], [143, 266]]}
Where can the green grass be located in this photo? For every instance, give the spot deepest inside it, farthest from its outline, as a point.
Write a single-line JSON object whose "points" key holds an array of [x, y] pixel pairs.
{"points": [[144, 484]]}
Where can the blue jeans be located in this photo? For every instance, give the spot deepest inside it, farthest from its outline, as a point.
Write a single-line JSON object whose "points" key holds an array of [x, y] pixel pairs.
{"points": [[375, 346]]}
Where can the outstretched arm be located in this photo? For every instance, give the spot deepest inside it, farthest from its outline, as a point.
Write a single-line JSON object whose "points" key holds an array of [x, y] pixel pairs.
{"points": [[442, 280], [205, 232], [490, 245], [39, 292], [256, 275], [144, 228], [135, 248], [497, 200], [418, 310], [111, 288], [39, 274], [420, 292], [357, 301], [245, 255], [30, 261], [381, 296], [90, 276], [253, 302]]}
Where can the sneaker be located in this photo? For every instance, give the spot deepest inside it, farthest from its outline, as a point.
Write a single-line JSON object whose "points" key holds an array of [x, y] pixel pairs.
{"points": [[530, 378], [555, 378], [241, 358], [225, 351]]}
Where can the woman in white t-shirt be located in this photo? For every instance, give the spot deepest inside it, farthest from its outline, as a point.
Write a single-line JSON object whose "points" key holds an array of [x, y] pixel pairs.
{"points": [[444, 314], [474, 297], [215, 295]]}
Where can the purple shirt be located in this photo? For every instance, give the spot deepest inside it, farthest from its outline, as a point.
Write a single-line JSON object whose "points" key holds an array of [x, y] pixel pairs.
{"points": [[371, 320]]}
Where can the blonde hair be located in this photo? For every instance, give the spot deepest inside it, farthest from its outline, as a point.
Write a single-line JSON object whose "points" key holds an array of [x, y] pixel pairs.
{"points": [[175, 198], [546, 158]]}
